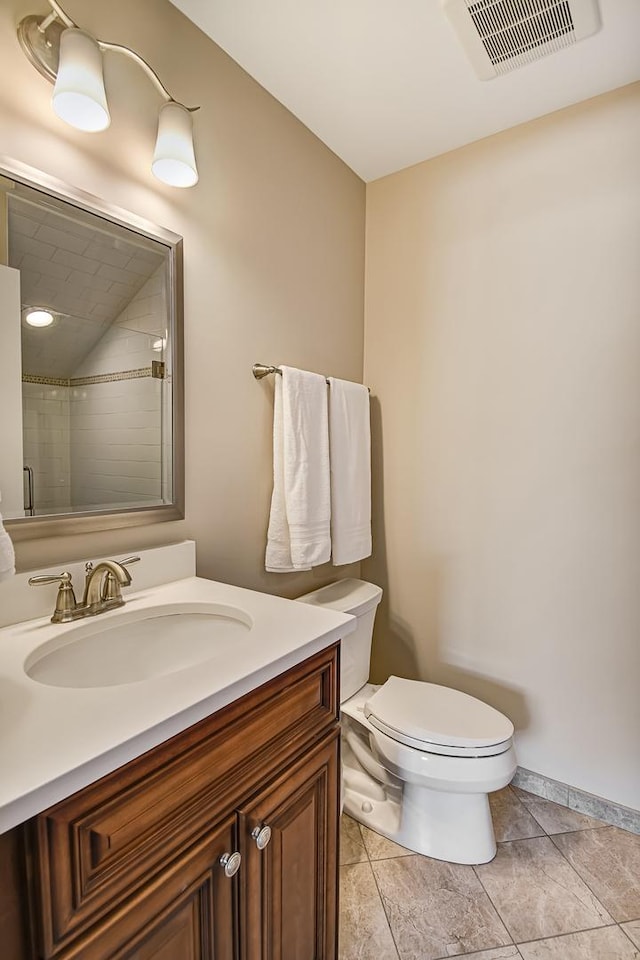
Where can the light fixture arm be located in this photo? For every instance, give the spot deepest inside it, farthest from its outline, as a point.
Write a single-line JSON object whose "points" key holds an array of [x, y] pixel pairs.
{"points": [[150, 72], [42, 27], [59, 13]]}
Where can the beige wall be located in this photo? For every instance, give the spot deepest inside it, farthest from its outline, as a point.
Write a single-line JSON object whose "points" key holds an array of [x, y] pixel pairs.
{"points": [[274, 260], [502, 338]]}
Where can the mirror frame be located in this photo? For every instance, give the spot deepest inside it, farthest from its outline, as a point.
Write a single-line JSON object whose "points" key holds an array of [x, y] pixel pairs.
{"points": [[31, 528]]}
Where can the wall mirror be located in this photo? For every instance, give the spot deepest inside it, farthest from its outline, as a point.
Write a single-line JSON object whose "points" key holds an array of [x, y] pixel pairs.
{"points": [[91, 431]]}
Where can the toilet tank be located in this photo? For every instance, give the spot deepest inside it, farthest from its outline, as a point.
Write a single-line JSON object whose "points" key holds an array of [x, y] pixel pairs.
{"points": [[360, 599]]}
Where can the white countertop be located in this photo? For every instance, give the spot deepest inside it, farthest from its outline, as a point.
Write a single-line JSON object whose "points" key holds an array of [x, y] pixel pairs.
{"points": [[56, 740]]}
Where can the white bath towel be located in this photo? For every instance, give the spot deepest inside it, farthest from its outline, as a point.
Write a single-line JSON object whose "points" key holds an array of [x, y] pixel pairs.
{"points": [[350, 455], [7, 555], [299, 535]]}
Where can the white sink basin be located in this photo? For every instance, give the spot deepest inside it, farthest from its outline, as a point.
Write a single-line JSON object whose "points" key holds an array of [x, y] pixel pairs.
{"points": [[133, 646]]}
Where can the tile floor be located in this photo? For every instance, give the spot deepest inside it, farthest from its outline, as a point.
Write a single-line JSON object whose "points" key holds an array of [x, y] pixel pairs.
{"points": [[563, 886]]}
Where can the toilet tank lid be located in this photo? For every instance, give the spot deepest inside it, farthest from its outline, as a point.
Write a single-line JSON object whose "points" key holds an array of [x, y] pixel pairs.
{"points": [[347, 596]]}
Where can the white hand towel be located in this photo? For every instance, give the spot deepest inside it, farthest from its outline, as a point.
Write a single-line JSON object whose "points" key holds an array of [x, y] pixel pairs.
{"points": [[7, 555], [299, 534], [350, 454]]}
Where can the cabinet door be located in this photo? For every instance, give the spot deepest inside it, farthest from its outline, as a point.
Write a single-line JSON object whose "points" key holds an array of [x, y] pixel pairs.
{"points": [[189, 912], [289, 890]]}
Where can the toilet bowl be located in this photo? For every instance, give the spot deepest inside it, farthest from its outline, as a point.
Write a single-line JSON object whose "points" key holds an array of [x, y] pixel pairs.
{"points": [[418, 759]]}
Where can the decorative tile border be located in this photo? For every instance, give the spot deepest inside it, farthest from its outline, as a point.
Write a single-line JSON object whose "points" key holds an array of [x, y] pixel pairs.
{"points": [[579, 800], [136, 374], [111, 377], [45, 381]]}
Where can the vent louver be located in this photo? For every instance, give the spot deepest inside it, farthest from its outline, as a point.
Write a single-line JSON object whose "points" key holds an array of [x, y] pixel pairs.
{"points": [[502, 35]]}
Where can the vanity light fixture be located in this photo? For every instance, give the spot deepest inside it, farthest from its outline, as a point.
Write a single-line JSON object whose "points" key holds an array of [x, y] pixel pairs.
{"points": [[38, 318], [79, 97], [72, 59]]}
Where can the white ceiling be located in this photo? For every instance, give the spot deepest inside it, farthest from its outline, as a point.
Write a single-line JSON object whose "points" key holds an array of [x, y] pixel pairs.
{"points": [[82, 268], [385, 83]]}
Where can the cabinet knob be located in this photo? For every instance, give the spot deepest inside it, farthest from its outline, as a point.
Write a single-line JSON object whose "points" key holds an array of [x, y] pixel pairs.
{"points": [[261, 835], [231, 863]]}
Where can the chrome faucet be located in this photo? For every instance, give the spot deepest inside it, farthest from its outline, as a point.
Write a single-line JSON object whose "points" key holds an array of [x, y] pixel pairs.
{"points": [[102, 590]]}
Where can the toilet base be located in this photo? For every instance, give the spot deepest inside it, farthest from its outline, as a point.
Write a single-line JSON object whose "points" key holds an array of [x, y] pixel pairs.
{"points": [[455, 827]]}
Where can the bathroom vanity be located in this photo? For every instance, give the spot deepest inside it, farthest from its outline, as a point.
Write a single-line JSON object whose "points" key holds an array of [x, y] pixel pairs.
{"points": [[144, 861], [219, 841]]}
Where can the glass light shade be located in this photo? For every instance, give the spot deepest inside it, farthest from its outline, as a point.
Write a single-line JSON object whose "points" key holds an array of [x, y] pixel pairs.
{"points": [[39, 318], [174, 160], [79, 96]]}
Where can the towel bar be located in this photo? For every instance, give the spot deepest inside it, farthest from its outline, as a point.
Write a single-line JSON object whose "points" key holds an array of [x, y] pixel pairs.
{"points": [[261, 370]]}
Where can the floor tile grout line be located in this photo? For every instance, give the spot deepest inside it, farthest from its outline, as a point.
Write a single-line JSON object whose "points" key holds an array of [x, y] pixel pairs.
{"points": [[586, 883], [473, 953], [597, 899], [564, 833], [393, 939], [534, 796], [598, 826], [533, 816], [468, 953], [632, 942], [557, 833], [362, 840], [560, 833], [488, 895], [362, 843], [384, 909], [569, 933], [526, 809], [577, 872], [502, 843]]}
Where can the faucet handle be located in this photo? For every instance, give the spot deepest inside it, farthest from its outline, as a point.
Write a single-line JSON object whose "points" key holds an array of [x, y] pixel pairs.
{"points": [[62, 578], [111, 592], [66, 602], [88, 567]]}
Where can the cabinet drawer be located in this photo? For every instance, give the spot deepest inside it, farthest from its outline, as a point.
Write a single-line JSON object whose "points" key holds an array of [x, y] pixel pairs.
{"points": [[103, 843]]}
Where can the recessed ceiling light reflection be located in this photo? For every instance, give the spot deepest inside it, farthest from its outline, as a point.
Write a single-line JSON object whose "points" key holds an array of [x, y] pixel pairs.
{"points": [[39, 318]]}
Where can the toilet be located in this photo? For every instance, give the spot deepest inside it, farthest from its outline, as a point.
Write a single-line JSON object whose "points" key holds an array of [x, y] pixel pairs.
{"points": [[418, 759]]}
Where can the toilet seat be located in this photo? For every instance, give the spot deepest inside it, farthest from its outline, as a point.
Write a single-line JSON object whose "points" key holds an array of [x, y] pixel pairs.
{"points": [[436, 719]]}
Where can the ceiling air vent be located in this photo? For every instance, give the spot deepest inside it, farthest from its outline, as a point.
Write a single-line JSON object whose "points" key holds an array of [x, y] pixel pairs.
{"points": [[502, 35]]}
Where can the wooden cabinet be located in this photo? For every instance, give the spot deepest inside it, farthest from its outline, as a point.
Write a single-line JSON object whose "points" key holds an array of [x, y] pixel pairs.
{"points": [[135, 866], [289, 901]]}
